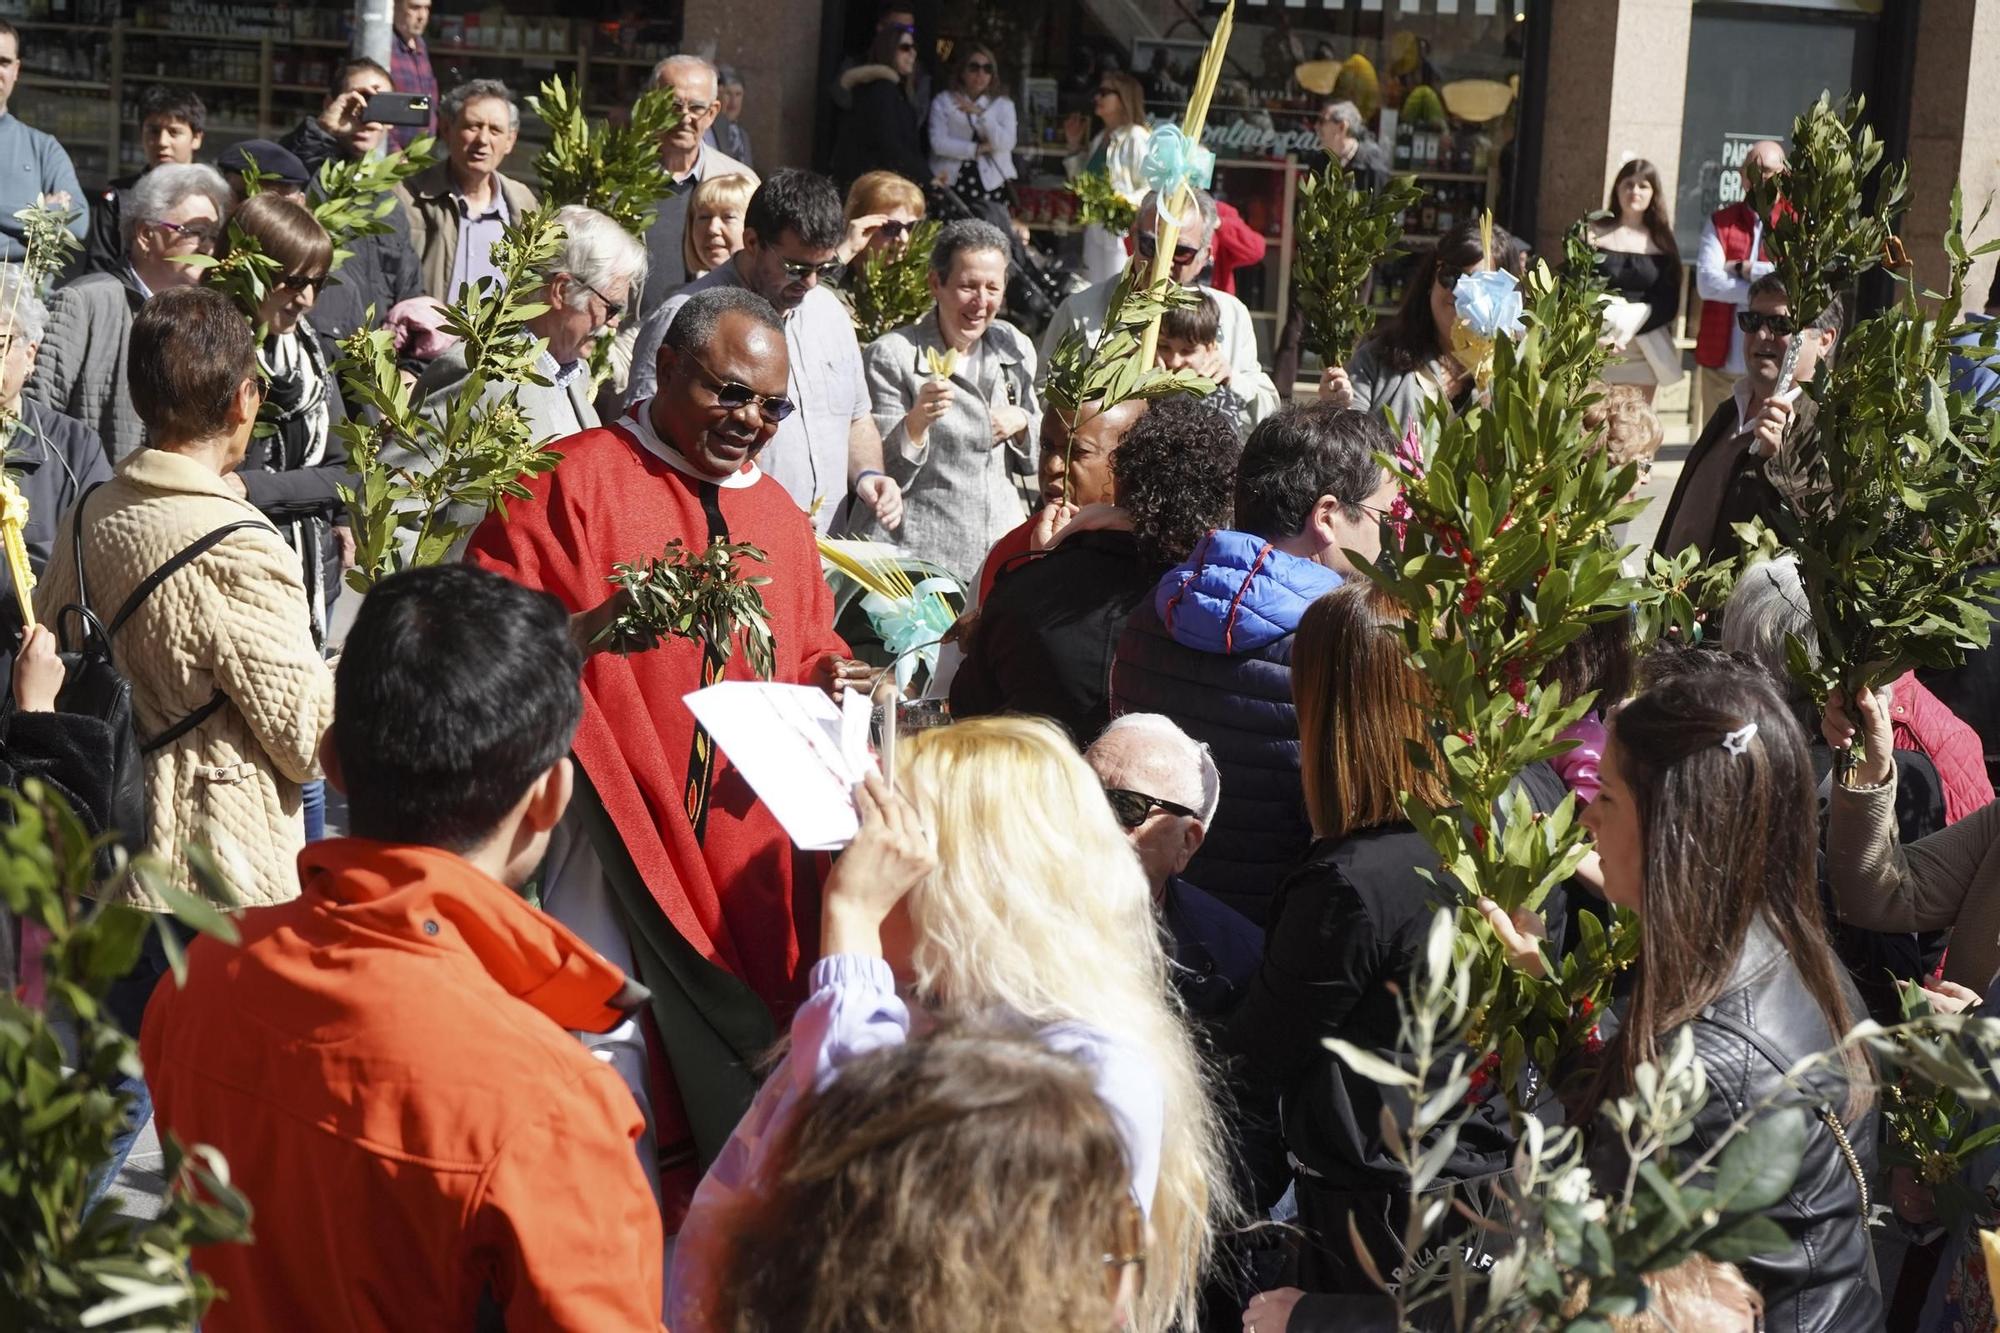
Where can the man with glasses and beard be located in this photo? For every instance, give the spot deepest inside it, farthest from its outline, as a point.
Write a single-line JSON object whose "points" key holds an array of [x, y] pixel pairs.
{"points": [[829, 448], [174, 211], [1755, 454], [1233, 361], [667, 862]]}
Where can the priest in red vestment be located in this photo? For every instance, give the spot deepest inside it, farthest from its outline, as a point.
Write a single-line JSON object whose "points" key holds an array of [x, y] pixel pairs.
{"points": [[670, 865]]}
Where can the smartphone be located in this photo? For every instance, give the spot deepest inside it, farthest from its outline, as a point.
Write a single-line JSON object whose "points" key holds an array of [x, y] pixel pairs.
{"points": [[397, 109]]}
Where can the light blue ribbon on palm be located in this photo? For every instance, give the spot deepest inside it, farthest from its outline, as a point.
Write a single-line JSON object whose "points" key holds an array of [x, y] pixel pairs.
{"points": [[912, 627], [1174, 160]]}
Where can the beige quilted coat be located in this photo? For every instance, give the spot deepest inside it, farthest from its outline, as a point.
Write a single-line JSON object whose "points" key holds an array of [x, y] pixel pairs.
{"points": [[235, 619]]}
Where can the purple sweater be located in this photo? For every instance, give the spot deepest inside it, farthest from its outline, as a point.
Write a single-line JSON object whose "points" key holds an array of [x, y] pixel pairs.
{"points": [[854, 1009]]}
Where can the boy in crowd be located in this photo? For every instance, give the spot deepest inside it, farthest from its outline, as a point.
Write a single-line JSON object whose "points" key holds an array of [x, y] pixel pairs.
{"points": [[171, 121], [1190, 337], [384, 1061]]}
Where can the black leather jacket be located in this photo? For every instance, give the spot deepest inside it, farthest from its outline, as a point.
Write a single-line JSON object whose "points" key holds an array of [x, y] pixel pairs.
{"points": [[1826, 1283]]}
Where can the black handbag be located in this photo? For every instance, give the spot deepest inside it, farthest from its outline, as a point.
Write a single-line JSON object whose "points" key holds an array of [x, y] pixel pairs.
{"points": [[93, 686]]}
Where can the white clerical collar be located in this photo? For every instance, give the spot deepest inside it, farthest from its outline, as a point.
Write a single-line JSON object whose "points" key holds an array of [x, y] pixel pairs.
{"points": [[639, 420]]}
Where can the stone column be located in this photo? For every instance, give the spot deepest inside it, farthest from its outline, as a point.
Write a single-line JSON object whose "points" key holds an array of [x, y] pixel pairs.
{"points": [[1954, 133], [1617, 80], [775, 47]]}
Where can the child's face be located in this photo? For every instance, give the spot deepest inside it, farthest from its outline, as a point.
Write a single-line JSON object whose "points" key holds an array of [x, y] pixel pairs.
{"points": [[1179, 353]]}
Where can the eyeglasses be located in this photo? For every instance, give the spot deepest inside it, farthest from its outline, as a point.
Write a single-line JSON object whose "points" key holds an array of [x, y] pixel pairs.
{"points": [[735, 397], [978, 67], [1106, 92], [1149, 246], [202, 233], [1751, 321], [798, 270], [906, 46], [612, 309], [895, 227], [261, 380], [1133, 808], [696, 110], [298, 282]]}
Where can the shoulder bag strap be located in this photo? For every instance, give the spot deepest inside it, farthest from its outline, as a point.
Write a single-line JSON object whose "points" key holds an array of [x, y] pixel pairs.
{"points": [[178, 561], [76, 539], [1826, 1113]]}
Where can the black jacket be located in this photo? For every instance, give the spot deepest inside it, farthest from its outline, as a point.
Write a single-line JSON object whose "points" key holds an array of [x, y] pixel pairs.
{"points": [[382, 271], [104, 249], [882, 131], [1747, 492], [1346, 925], [1045, 638], [54, 459], [1763, 1023]]}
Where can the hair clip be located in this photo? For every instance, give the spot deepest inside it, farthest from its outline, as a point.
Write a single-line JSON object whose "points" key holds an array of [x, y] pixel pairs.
{"points": [[1737, 741]]}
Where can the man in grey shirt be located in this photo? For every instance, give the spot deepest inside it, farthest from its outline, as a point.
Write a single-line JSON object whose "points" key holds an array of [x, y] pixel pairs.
{"points": [[828, 447]]}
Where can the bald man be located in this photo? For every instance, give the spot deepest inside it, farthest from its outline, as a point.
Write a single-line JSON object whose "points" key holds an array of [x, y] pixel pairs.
{"points": [[1730, 258]]}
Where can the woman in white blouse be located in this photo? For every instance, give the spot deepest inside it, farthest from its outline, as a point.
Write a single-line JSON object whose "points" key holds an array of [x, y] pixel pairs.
{"points": [[1119, 150], [973, 128]]}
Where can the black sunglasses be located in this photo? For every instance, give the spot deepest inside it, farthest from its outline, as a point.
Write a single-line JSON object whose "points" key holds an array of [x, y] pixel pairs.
{"points": [[895, 227], [298, 282], [1133, 808], [978, 67], [800, 269], [612, 309], [1750, 321], [1149, 246], [906, 46], [735, 397]]}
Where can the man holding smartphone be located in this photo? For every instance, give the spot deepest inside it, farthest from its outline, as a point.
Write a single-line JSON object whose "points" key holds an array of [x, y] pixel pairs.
{"points": [[383, 269]]}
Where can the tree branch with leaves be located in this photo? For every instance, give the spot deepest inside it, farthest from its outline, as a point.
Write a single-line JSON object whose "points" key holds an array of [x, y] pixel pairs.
{"points": [[1344, 231], [445, 469], [614, 169], [890, 287]]}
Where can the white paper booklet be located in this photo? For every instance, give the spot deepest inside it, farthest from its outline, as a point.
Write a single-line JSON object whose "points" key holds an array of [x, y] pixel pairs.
{"points": [[799, 751]]}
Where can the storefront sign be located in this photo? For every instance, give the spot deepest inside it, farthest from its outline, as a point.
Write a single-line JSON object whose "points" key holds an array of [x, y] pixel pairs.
{"points": [[1244, 137], [1729, 185]]}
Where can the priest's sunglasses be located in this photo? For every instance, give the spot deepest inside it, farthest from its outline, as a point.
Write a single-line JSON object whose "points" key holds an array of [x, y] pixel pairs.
{"points": [[735, 397], [1133, 808]]}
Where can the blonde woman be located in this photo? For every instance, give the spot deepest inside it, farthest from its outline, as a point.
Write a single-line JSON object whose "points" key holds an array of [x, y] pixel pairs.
{"points": [[1119, 150], [715, 223], [954, 900]]}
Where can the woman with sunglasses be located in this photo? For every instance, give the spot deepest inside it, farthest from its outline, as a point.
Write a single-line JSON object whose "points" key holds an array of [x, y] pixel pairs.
{"points": [[882, 210], [972, 128], [961, 445], [1118, 151], [970, 1179], [881, 131], [293, 472], [1346, 930], [1410, 362], [959, 900]]}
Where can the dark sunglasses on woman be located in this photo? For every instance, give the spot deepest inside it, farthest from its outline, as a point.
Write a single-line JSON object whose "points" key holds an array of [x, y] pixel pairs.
{"points": [[298, 282], [1149, 246]]}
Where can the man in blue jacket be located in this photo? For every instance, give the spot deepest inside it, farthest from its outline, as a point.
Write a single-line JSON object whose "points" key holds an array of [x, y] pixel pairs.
{"points": [[1212, 648]]}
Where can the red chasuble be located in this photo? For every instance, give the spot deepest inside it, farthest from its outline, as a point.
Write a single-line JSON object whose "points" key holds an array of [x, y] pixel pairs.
{"points": [[734, 887]]}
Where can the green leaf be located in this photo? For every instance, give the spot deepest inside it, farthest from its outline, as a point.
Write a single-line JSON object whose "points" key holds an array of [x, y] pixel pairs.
{"points": [[1369, 1065], [1746, 1238], [1758, 1167]]}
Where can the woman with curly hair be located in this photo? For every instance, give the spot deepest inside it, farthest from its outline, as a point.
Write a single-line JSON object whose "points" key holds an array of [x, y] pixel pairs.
{"points": [[1044, 639], [958, 900]]}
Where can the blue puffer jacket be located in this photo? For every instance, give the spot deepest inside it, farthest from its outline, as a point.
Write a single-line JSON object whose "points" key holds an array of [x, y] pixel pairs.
{"points": [[1213, 651]]}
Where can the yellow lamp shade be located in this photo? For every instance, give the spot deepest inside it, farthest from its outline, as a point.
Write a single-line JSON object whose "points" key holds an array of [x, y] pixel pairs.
{"points": [[1477, 100]]}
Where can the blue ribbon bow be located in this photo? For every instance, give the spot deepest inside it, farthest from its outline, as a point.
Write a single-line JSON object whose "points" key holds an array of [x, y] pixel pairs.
{"points": [[1173, 160], [911, 627]]}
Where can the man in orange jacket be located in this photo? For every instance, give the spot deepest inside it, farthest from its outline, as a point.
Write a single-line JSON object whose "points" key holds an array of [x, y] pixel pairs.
{"points": [[384, 1060]]}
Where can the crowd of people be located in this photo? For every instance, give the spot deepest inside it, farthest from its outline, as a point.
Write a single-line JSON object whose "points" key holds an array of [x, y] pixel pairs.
{"points": [[538, 1012]]}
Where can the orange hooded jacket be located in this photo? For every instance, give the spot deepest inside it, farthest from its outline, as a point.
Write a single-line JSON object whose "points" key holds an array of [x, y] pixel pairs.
{"points": [[384, 1064]]}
